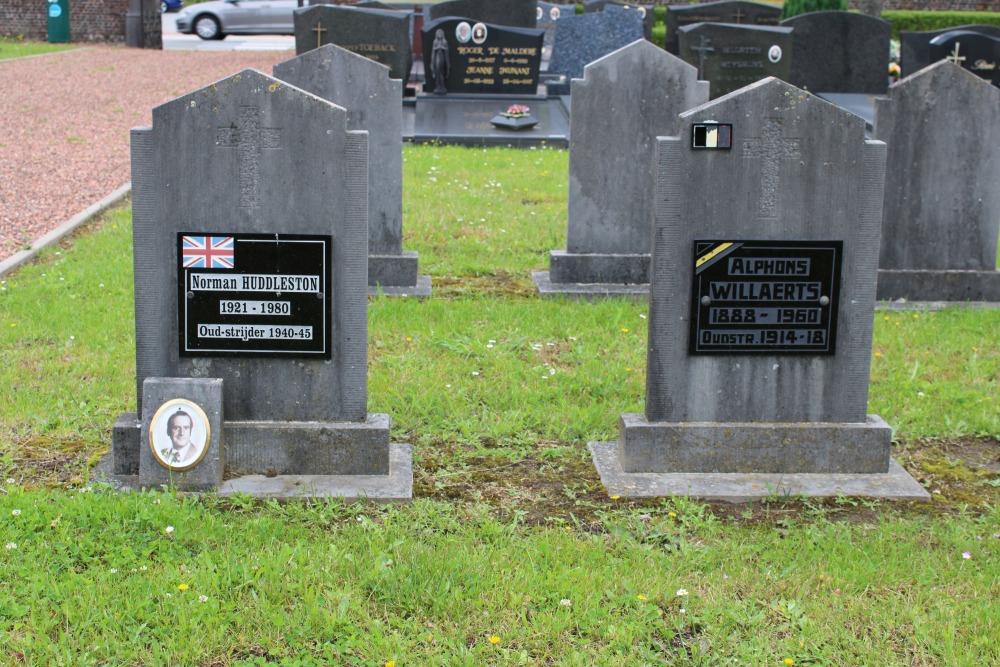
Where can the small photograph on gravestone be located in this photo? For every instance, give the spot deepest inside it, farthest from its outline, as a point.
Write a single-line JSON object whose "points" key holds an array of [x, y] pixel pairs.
{"points": [[179, 434]]}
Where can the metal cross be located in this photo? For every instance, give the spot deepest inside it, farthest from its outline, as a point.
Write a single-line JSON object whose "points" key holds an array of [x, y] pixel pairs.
{"points": [[954, 57], [250, 139], [319, 30], [703, 49], [771, 148], [738, 15]]}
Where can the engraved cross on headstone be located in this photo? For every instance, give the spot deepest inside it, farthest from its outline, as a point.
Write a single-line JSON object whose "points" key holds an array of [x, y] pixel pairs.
{"points": [[739, 15], [704, 47], [250, 139], [319, 30], [954, 57], [771, 148]]}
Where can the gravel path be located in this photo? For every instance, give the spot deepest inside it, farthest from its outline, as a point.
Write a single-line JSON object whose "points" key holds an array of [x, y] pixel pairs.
{"points": [[65, 121]]}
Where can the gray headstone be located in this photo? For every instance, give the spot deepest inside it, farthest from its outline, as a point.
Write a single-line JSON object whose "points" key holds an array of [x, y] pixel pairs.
{"points": [[374, 102], [625, 100], [942, 203], [915, 47], [732, 56], [273, 171], [461, 56], [192, 458], [973, 51], [839, 52], [799, 170], [582, 39], [645, 11], [738, 12], [512, 13], [383, 36]]}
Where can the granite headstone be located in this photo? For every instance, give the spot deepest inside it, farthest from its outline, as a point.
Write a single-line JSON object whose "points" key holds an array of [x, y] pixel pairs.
{"points": [[583, 38], [512, 13], [465, 57], [381, 35], [547, 15], [761, 309], [839, 52], [728, 11], [624, 101], [942, 203], [645, 11], [973, 51], [731, 56], [915, 47], [250, 230], [374, 103]]}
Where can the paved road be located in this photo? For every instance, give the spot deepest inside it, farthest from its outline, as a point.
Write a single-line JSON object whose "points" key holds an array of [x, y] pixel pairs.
{"points": [[176, 41]]}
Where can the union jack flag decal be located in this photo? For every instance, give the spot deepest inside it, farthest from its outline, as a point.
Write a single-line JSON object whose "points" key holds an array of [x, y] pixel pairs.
{"points": [[207, 252]]}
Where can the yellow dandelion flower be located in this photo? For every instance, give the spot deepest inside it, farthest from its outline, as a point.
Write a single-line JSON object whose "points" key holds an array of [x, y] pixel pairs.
{"points": [[672, 515], [390, 663], [641, 597], [494, 640], [615, 497], [624, 330], [789, 662], [182, 587]]}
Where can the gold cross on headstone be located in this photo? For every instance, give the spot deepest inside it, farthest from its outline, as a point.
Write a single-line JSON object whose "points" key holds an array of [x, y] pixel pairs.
{"points": [[319, 30], [954, 57], [249, 139], [739, 15]]}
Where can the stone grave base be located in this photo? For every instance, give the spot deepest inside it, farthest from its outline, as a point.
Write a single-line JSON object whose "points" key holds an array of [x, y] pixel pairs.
{"points": [[547, 289], [397, 275], [758, 447], [896, 484], [952, 286], [571, 267], [464, 120], [397, 485]]}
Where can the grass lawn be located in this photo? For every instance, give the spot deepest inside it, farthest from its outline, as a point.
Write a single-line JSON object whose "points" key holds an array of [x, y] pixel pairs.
{"points": [[510, 553], [12, 47]]}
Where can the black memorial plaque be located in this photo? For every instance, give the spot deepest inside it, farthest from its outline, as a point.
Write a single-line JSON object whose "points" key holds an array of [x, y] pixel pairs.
{"points": [[463, 56], [254, 295], [765, 297]]}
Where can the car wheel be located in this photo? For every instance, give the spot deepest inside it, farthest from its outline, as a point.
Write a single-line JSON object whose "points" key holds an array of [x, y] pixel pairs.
{"points": [[207, 27]]}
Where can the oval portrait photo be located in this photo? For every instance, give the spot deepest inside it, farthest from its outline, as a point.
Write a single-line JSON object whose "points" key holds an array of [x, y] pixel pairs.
{"points": [[179, 434]]}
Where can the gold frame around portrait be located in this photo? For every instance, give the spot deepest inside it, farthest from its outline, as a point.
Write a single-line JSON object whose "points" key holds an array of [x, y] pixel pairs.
{"points": [[198, 412]]}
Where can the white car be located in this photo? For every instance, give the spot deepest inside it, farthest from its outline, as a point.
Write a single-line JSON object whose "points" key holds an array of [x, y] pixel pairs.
{"points": [[215, 20]]}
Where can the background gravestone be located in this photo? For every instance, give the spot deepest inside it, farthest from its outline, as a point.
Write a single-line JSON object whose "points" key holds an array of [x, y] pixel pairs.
{"points": [[547, 15], [381, 35], [973, 51], [790, 225], [625, 100], [260, 189], [942, 203], [732, 56], [738, 12], [645, 11], [915, 47], [839, 52], [483, 58], [512, 13], [374, 102], [583, 38]]}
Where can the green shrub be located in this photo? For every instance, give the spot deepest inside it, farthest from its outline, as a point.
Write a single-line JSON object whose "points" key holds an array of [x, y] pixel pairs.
{"points": [[924, 21], [795, 7]]}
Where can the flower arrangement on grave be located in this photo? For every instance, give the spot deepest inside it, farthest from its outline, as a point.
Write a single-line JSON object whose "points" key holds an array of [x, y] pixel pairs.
{"points": [[516, 111], [894, 70]]}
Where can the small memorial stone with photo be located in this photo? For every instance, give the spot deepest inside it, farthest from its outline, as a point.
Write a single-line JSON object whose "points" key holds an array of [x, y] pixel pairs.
{"points": [[730, 57], [465, 57]]}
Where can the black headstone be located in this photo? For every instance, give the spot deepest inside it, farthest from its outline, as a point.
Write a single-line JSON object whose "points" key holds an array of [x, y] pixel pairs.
{"points": [[462, 56], [732, 56], [728, 11], [511, 13], [974, 51], [840, 52], [915, 47], [381, 35]]}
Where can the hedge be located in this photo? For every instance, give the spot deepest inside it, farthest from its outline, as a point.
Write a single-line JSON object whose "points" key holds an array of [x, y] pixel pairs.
{"points": [[924, 21]]}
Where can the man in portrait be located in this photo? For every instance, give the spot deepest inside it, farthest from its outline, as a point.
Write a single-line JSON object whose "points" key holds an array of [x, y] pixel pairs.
{"points": [[182, 450]]}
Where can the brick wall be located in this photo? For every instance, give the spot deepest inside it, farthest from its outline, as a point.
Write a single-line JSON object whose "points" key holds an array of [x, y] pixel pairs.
{"points": [[89, 20]]}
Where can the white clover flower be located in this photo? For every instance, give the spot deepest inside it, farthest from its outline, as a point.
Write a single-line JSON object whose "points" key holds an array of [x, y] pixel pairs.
{"points": [[681, 592], [16, 512], [170, 529], [565, 603], [202, 598], [114, 570], [10, 546]]}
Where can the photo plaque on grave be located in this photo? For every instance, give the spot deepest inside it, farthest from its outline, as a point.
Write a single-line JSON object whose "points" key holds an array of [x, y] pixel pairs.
{"points": [[765, 297], [254, 294]]}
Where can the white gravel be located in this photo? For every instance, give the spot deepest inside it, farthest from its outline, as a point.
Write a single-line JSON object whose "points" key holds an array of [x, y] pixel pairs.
{"points": [[65, 121]]}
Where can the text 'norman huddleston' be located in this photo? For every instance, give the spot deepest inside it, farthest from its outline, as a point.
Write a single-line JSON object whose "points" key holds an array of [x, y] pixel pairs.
{"points": [[253, 283]]}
